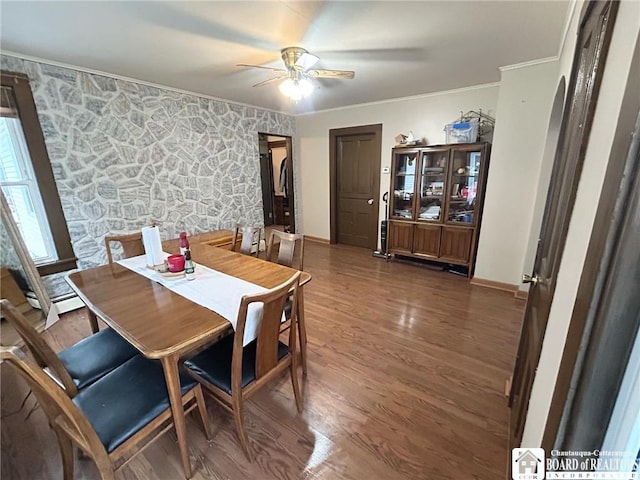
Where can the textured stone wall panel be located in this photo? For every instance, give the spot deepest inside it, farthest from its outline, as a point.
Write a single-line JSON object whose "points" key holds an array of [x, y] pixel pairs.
{"points": [[124, 154]]}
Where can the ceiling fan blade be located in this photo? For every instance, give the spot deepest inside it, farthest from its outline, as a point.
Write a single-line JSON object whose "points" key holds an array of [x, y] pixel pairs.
{"points": [[306, 61], [271, 80], [345, 74], [279, 70]]}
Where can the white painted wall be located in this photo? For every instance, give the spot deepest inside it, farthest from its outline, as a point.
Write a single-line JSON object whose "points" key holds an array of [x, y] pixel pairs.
{"points": [[544, 178], [424, 115], [618, 63], [524, 106]]}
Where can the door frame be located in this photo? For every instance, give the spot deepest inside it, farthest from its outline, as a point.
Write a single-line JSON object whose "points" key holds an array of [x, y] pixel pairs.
{"points": [[564, 178], [288, 142], [334, 135], [617, 180], [266, 176]]}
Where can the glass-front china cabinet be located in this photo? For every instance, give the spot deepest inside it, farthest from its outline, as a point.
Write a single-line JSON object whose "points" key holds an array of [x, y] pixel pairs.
{"points": [[436, 202]]}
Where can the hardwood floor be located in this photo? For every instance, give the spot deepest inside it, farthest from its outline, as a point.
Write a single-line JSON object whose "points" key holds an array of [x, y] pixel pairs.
{"points": [[406, 381]]}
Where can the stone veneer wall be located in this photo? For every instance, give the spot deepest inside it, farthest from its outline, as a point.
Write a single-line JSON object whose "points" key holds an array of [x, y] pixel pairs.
{"points": [[124, 154]]}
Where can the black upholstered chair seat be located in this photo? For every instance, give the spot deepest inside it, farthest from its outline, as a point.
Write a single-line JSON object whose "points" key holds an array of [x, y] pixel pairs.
{"points": [[125, 400], [95, 356], [214, 363]]}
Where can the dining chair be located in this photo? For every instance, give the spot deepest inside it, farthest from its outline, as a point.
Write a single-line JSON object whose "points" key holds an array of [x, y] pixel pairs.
{"points": [[78, 366], [132, 245], [113, 415], [231, 373], [286, 255], [250, 240], [286, 246]]}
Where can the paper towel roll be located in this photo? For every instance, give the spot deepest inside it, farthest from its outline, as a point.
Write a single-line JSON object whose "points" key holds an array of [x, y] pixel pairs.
{"points": [[152, 246]]}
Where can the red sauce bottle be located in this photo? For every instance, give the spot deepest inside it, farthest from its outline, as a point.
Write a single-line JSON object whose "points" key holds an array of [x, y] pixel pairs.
{"points": [[184, 243]]}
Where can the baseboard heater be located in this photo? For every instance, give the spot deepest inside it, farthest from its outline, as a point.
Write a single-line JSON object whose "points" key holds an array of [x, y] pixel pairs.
{"points": [[64, 303]]}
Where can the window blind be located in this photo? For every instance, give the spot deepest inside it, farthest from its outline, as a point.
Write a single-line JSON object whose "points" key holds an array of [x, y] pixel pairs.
{"points": [[8, 107]]}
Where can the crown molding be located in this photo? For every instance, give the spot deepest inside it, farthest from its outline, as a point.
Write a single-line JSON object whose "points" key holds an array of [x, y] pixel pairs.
{"points": [[402, 99], [530, 63], [567, 25]]}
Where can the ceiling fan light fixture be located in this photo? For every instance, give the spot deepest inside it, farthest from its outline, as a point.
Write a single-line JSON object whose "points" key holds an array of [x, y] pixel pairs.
{"points": [[296, 78], [306, 61], [296, 89]]}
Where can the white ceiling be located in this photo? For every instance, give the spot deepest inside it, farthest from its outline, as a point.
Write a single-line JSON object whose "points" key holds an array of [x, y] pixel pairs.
{"points": [[397, 49]]}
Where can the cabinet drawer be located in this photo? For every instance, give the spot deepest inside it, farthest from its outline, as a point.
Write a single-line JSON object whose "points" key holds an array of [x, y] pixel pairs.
{"points": [[400, 237], [455, 244], [426, 240]]}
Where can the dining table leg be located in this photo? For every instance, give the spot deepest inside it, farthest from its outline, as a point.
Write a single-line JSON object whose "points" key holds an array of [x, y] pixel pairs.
{"points": [[172, 377], [302, 329], [93, 322]]}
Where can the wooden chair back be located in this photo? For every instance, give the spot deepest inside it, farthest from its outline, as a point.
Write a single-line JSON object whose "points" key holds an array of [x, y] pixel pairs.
{"points": [[132, 245], [267, 362], [269, 331], [250, 238], [42, 353], [64, 416], [286, 248]]}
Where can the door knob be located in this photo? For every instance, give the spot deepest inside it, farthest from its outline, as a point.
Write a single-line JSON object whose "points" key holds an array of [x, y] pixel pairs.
{"points": [[530, 279], [370, 201]]}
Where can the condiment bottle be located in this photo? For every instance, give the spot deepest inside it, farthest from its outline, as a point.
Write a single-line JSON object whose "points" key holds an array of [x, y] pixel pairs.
{"points": [[184, 243], [189, 268]]}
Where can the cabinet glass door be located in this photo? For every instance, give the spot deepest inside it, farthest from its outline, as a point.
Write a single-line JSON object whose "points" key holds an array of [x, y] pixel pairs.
{"points": [[466, 166], [433, 176], [405, 168]]}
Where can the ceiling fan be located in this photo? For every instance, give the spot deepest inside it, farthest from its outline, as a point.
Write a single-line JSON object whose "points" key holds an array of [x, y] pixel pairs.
{"points": [[296, 75]]}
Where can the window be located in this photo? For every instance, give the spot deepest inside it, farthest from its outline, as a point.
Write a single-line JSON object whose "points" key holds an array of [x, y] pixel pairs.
{"points": [[21, 191], [27, 181]]}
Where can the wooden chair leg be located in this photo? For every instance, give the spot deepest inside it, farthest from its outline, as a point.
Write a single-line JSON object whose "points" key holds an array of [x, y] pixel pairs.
{"points": [[302, 335], [296, 387], [202, 410], [302, 331], [66, 453], [239, 419]]}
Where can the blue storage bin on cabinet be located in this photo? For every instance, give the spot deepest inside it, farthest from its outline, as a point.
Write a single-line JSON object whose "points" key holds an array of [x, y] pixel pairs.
{"points": [[462, 132]]}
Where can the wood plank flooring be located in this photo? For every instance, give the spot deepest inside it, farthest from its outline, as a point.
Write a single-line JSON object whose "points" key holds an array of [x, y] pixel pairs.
{"points": [[406, 381]]}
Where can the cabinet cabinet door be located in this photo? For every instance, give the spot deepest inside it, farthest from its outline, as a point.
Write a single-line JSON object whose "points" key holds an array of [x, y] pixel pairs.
{"points": [[426, 240], [455, 244], [433, 178], [400, 237], [467, 167], [405, 170]]}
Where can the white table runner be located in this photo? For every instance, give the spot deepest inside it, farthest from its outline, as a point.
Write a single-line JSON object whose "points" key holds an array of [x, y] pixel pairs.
{"points": [[211, 289]]}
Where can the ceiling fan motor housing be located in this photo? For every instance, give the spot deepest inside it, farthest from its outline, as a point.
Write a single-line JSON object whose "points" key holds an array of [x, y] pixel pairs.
{"points": [[290, 56]]}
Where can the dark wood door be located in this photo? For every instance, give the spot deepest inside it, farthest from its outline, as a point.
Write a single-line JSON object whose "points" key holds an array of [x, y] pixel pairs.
{"points": [[357, 187], [591, 50]]}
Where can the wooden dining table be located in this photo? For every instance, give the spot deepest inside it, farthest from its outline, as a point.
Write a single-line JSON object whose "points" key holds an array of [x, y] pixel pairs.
{"points": [[166, 326]]}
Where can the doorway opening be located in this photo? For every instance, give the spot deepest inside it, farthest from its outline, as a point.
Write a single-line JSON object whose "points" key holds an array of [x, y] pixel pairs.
{"points": [[276, 173]]}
